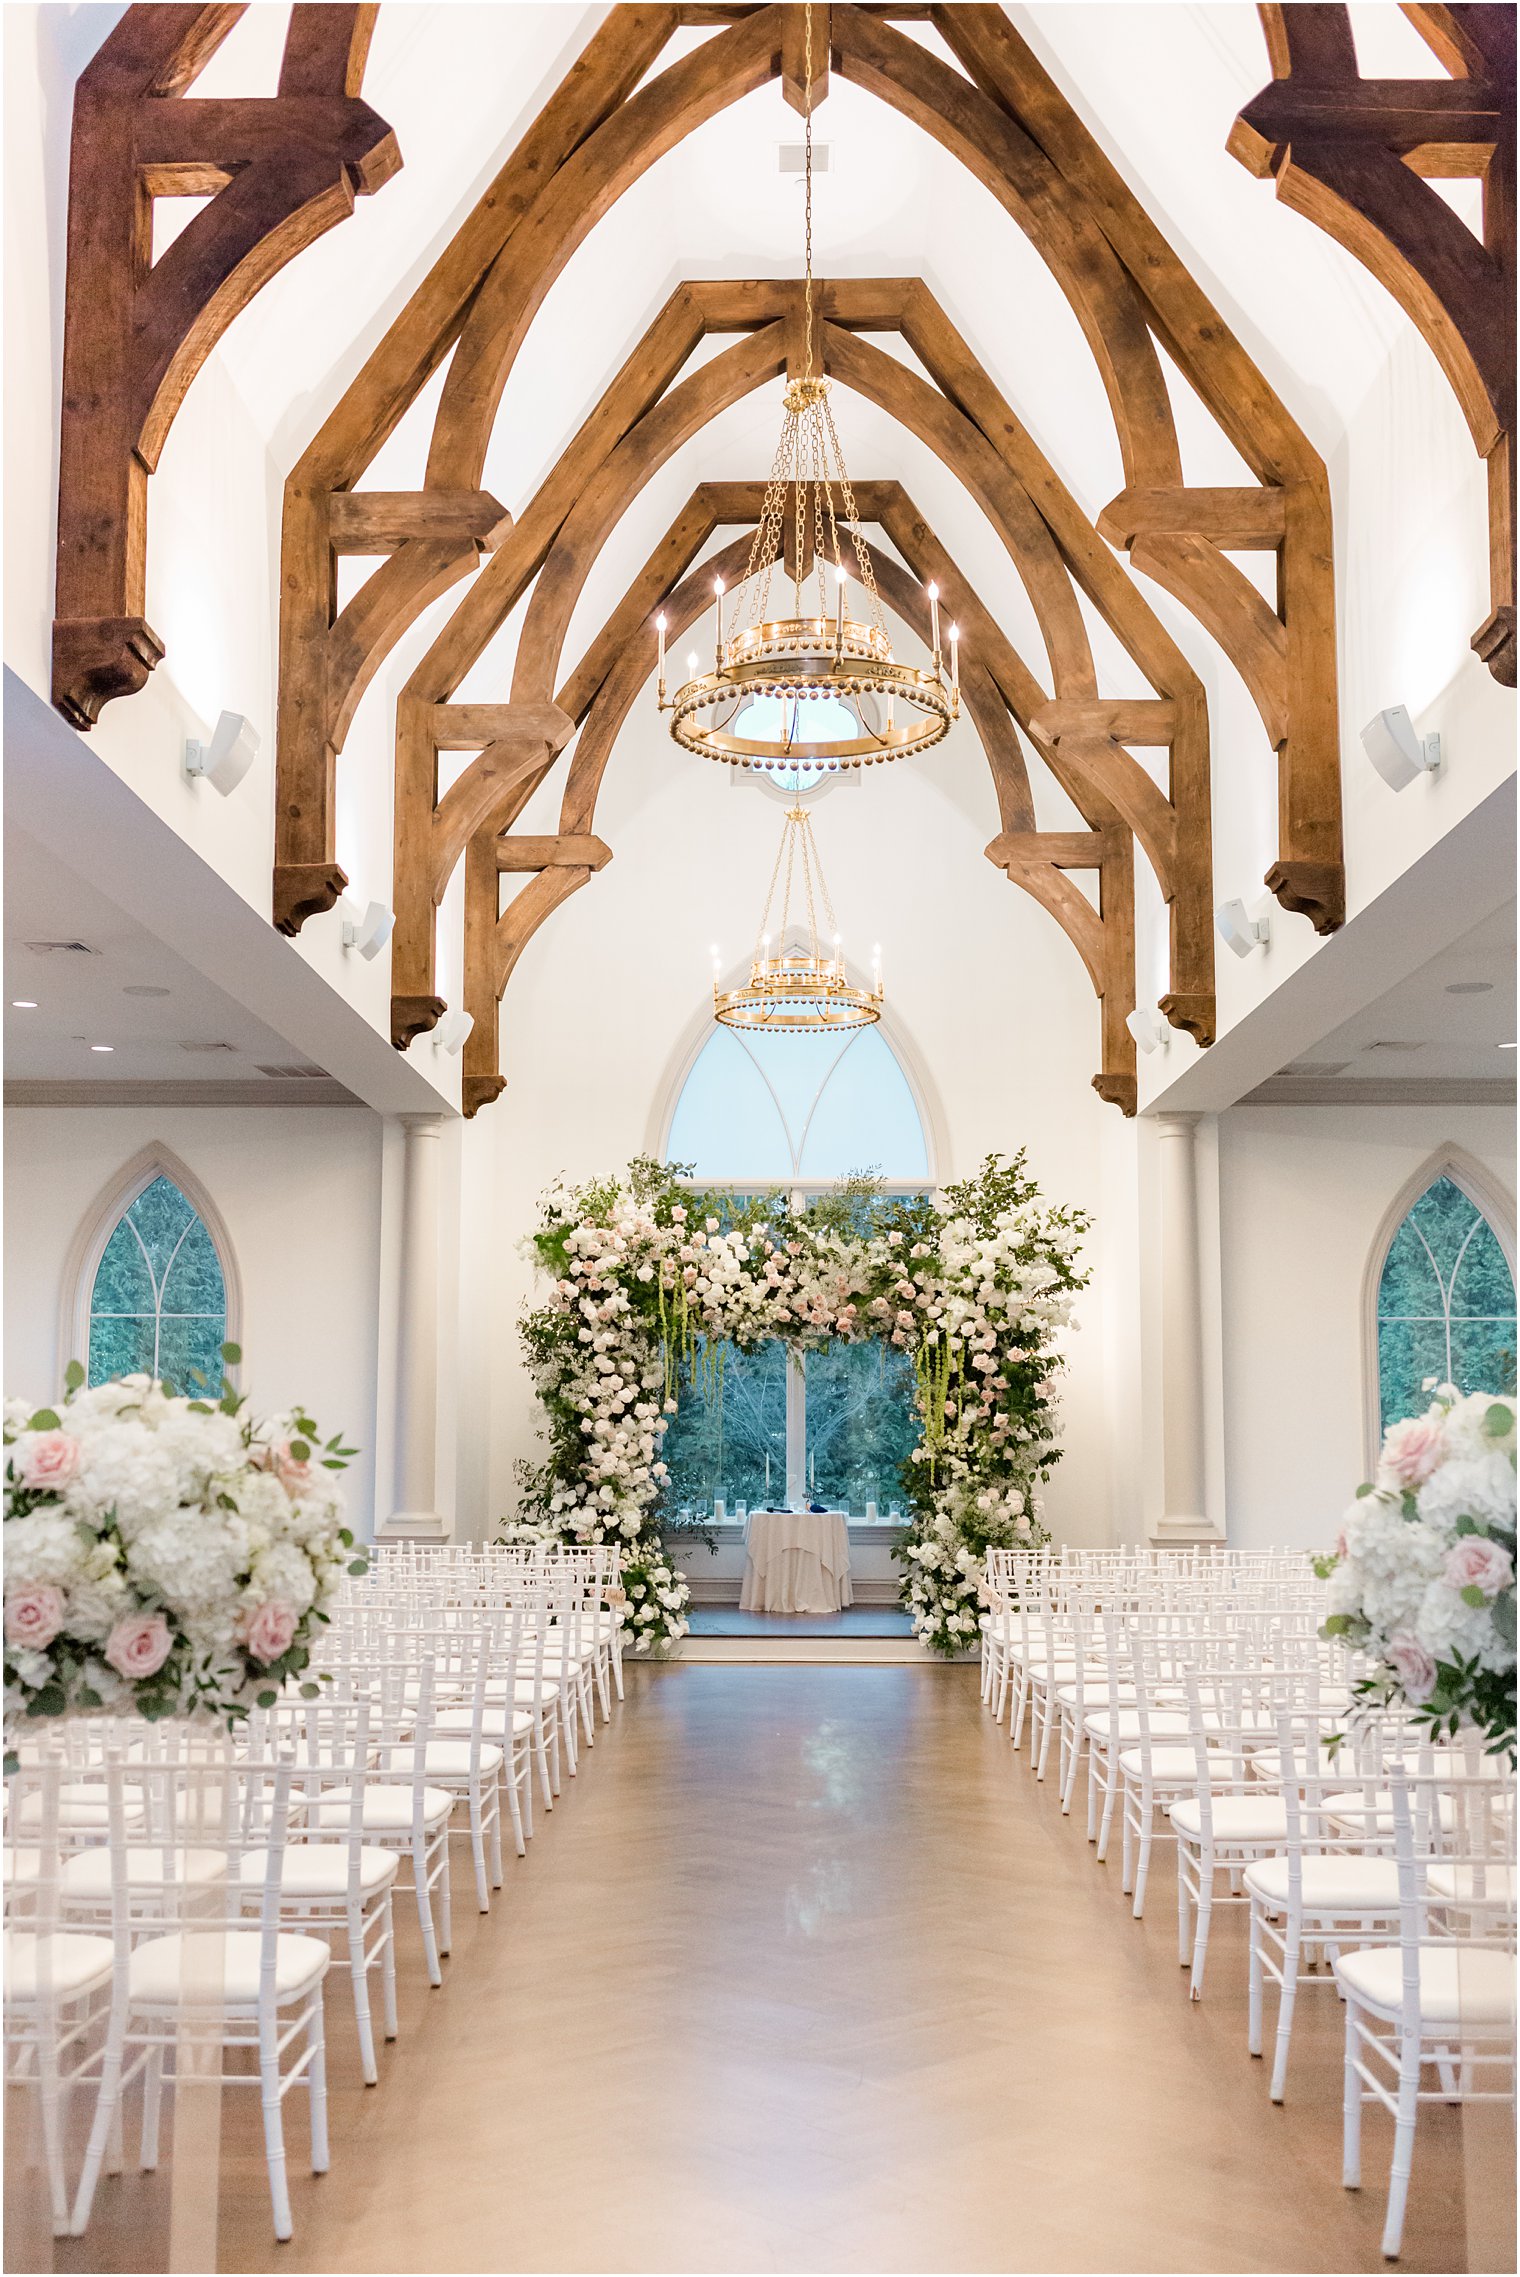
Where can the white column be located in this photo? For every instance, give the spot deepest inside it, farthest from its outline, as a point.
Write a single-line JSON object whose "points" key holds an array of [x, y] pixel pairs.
{"points": [[1184, 1505], [416, 1471]]}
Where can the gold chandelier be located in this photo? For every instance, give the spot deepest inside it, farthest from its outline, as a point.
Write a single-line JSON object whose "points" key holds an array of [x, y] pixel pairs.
{"points": [[798, 990], [819, 689]]}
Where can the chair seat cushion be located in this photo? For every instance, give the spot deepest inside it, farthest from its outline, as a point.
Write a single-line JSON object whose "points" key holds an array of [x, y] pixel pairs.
{"points": [[1165, 1723], [1459, 1984], [82, 1806], [86, 1877], [75, 1965], [1236, 1818], [387, 1810], [444, 1759], [1170, 1766], [231, 1978], [493, 1721], [1331, 1885], [320, 1869], [1495, 1885], [1374, 1814]]}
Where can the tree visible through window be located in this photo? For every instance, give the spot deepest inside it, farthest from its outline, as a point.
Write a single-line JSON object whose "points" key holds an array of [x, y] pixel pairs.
{"points": [[159, 1303], [796, 1114], [1446, 1305]]}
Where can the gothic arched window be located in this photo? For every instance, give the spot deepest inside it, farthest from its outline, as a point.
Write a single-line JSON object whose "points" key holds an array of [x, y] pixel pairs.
{"points": [[1445, 1304], [158, 1300]]}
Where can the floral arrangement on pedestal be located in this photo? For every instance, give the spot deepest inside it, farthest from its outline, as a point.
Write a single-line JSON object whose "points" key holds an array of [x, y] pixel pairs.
{"points": [[648, 1275], [165, 1554], [1422, 1577]]}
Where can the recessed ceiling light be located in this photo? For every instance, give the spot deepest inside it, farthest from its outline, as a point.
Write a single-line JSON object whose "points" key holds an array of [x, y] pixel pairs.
{"points": [[102, 1047], [1469, 988], [23, 1004], [1506, 1047], [140, 988]]}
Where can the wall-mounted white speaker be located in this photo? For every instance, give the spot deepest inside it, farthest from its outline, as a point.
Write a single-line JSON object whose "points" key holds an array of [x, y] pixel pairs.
{"points": [[1396, 751], [226, 759], [369, 933]]}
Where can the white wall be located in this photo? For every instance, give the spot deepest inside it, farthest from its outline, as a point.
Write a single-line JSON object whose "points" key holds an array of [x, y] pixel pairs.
{"points": [[299, 1192], [1304, 1191]]}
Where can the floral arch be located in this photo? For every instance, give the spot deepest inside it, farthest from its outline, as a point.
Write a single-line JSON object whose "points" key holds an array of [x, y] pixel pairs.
{"points": [[652, 1278]]}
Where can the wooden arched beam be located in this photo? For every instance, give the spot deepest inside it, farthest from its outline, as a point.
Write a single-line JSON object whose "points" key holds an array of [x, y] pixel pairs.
{"points": [[734, 63], [1089, 735], [419, 881], [1356, 156], [610, 680], [425, 854], [959, 445], [278, 171], [1005, 117]]}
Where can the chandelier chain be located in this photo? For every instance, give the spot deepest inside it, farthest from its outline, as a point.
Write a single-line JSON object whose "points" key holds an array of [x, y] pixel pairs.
{"points": [[843, 696]]}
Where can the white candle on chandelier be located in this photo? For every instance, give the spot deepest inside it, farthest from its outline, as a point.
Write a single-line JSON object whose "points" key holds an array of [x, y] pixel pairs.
{"points": [[876, 969], [955, 658], [934, 618], [692, 666], [844, 579], [718, 641], [839, 956], [659, 626]]}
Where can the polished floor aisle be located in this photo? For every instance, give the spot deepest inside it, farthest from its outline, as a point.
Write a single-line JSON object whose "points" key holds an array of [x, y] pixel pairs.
{"points": [[806, 1974]]}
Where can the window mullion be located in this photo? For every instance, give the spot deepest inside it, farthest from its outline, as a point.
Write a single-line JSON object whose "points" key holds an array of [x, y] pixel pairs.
{"points": [[796, 1408]]}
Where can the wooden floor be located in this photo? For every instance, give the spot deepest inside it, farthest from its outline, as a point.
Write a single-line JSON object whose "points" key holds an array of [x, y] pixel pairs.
{"points": [[807, 1974]]}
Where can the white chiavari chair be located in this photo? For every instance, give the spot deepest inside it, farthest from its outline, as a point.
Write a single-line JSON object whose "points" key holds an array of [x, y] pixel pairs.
{"points": [[57, 1980], [332, 1880], [1332, 1882], [187, 1958], [1443, 1998]]}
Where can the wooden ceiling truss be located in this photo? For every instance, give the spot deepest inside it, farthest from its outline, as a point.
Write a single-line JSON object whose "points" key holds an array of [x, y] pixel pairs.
{"points": [[998, 687], [612, 118], [1357, 157], [614, 115], [278, 171]]}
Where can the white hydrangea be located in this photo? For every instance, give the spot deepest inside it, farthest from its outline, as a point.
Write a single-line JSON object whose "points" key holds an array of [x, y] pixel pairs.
{"points": [[128, 1469], [193, 1560], [46, 1545], [282, 1572]]}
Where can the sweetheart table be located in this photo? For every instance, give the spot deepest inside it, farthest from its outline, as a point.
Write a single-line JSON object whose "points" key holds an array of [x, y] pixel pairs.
{"points": [[796, 1561]]}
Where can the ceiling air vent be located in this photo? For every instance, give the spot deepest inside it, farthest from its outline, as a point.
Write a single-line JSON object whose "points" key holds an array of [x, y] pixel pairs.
{"points": [[791, 157], [62, 949], [295, 1074], [188, 1047]]}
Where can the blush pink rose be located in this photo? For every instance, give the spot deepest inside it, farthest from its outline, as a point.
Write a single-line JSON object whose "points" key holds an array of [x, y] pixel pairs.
{"points": [[269, 1630], [139, 1645], [1411, 1450], [33, 1617], [1413, 1667], [50, 1460], [1477, 1563]]}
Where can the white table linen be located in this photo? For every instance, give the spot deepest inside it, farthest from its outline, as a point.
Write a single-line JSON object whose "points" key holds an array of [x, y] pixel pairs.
{"points": [[796, 1561]]}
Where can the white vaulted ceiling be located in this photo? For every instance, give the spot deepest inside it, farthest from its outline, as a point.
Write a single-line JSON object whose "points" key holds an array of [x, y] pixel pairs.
{"points": [[1159, 86]]}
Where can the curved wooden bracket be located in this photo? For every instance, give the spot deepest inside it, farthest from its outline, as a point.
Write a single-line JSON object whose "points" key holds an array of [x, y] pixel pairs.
{"points": [[279, 171], [1349, 154]]}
